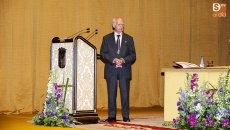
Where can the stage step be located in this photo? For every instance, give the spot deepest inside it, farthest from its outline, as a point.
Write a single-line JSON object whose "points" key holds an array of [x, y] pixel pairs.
{"points": [[86, 117]]}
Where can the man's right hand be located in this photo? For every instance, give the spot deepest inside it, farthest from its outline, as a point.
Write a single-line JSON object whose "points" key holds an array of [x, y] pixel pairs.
{"points": [[118, 62]]}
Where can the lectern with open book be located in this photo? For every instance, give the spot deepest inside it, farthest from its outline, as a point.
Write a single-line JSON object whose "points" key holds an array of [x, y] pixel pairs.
{"points": [[75, 60]]}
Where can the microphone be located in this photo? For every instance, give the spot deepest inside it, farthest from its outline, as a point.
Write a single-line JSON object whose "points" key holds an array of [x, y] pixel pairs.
{"points": [[92, 34], [83, 32], [87, 30]]}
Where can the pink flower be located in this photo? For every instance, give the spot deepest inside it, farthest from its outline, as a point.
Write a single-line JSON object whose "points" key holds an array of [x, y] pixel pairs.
{"points": [[193, 81], [55, 86], [192, 120]]}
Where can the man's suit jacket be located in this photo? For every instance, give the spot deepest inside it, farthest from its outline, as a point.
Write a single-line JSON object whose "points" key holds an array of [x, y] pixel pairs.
{"points": [[109, 52]]}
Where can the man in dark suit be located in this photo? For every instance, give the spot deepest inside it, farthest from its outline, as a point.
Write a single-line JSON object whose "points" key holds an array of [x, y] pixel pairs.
{"points": [[118, 53]]}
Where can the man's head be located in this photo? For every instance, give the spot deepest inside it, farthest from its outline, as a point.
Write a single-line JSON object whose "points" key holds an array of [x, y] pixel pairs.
{"points": [[118, 25]]}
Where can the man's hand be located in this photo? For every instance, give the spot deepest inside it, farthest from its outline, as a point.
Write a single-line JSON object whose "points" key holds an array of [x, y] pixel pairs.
{"points": [[118, 62]]}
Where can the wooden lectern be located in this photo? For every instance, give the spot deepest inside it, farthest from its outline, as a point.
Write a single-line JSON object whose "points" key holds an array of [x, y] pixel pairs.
{"points": [[75, 59]]}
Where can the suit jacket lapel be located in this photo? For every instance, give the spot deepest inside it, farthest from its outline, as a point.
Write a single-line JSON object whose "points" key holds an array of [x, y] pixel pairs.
{"points": [[123, 42], [113, 43]]}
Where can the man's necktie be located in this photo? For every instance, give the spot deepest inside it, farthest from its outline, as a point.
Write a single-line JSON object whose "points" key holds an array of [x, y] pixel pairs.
{"points": [[118, 44]]}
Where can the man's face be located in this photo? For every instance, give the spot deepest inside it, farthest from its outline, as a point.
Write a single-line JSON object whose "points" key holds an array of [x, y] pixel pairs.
{"points": [[119, 26]]}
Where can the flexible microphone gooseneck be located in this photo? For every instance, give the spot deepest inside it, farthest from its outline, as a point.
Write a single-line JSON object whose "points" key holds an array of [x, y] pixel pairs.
{"points": [[87, 30], [92, 34]]}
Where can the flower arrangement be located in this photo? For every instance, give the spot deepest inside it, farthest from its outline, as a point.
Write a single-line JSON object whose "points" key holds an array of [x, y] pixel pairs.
{"points": [[54, 112], [204, 106]]}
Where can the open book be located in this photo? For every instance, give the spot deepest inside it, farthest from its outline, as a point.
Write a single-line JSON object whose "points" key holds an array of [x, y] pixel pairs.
{"points": [[185, 65]]}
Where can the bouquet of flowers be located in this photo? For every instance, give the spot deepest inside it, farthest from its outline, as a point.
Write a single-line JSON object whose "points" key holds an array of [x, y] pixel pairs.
{"points": [[204, 106], [54, 112]]}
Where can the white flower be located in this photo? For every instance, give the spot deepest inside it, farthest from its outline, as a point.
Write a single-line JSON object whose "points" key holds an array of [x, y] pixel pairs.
{"points": [[198, 107]]}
